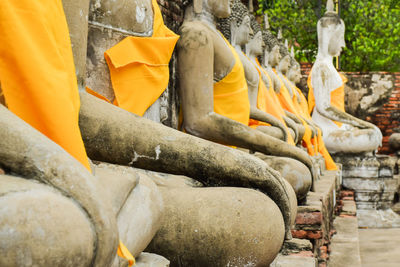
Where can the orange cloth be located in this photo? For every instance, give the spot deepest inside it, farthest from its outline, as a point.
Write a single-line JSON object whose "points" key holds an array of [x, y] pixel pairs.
{"points": [[329, 163], [337, 96], [288, 104], [139, 66], [266, 103], [37, 71], [230, 94]]}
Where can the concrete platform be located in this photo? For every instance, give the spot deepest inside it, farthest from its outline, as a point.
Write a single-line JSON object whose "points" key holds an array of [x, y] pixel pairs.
{"points": [[379, 247]]}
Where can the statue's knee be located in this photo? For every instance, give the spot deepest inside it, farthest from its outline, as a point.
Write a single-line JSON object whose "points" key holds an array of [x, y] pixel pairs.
{"points": [[39, 227], [296, 173], [219, 227]]}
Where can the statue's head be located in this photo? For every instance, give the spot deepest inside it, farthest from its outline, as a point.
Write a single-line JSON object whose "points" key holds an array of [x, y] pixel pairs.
{"points": [[256, 43], [271, 51], [219, 8], [294, 73], [236, 27], [330, 32], [284, 64]]}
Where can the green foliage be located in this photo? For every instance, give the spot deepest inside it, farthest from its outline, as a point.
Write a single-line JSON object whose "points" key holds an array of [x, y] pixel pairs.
{"points": [[372, 30]]}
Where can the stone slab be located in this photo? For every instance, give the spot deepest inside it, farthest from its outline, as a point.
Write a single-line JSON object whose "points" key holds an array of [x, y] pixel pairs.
{"points": [[294, 261], [349, 208], [380, 247], [378, 219], [296, 245], [367, 205], [370, 184], [345, 243], [374, 196]]}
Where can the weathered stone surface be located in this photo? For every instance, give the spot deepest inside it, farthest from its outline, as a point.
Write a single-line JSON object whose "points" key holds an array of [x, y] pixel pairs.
{"points": [[296, 173], [296, 245], [358, 166], [349, 208], [366, 93], [218, 227], [379, 247], [113, 135], [40, 227], [382, 218], [151, 260], [141, 215], [293, 260], [26, 152], [345, 243], [370, 184], [394, 141]]}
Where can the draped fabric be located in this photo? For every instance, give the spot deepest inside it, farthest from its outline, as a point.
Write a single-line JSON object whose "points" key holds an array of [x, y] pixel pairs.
{"points": [[288, 104], [37, 71], [337, 96], [139, 66], [231, 94]]}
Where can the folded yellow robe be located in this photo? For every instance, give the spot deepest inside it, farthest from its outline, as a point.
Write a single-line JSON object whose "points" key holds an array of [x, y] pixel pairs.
{"points": [[287, 103], [230, 94], [266, 103], [337, 96], [37, 71], [139, 66]]}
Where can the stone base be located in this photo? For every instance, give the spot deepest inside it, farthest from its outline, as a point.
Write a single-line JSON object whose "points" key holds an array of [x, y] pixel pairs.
{"points": [[294, 260], [378, 219], [372, 179], [314, 220], [345, 249]]}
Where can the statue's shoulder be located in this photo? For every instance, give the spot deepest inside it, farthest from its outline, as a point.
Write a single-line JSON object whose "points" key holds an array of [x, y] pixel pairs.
{"points": [[193, 35], [320, 70]]}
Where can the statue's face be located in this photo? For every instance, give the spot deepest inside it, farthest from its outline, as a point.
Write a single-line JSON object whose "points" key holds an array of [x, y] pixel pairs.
{"points": [[256, 44], [244, 30], [219, 8], [274, 56], [285, 64], [336, 42], [294, 74]]}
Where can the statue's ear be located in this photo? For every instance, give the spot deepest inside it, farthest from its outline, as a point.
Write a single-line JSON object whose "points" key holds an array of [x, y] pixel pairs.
{"points": [[198, 6]]}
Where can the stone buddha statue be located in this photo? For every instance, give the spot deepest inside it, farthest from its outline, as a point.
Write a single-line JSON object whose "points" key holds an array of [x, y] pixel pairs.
{"points": [[121, 202], [343, 133], [237, 28], [271, 60]]}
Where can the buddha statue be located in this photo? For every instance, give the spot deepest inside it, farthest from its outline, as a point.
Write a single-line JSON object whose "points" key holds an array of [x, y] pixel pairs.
{"points": [[116, 201], [292, 170], [343, 133], [271, 60]]}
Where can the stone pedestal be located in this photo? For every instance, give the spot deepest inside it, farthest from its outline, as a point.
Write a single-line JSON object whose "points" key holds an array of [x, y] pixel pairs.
{"points": [[372, 179], [374, 184]]}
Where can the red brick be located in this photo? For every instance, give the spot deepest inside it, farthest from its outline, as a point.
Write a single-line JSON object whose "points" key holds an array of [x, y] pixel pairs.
{"points": [[303, 254], [2, 171], [310, 218], [322, 264], [302, 234]]}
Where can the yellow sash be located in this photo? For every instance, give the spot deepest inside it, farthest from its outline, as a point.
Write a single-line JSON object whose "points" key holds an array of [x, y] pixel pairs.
{"points": [[266, 103], [37, 71], [337, 96], [230, 94], [288, 104], [329, 163], [139, 66]]}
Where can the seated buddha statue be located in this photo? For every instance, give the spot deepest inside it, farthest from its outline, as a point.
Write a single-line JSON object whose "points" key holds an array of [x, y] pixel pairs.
{"points": [[271, 60], [342, 132], [292, 170], [77, 210]]}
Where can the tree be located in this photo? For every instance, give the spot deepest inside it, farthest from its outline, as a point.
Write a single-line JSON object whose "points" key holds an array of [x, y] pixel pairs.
{"points": [[372, 30]]}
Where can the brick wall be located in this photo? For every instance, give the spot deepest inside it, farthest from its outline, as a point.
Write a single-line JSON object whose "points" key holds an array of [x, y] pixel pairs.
{"points": [[387, 117]]}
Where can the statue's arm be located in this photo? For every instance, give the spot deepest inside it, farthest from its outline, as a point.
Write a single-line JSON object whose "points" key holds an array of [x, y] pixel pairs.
{"points": [[290, 123], [195, 57], [322, 86], [262, 116]]}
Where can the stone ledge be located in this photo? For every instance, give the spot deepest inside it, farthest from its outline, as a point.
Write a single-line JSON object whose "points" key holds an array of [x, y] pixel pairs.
{"points": [[345, 249], [294, 261]]}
